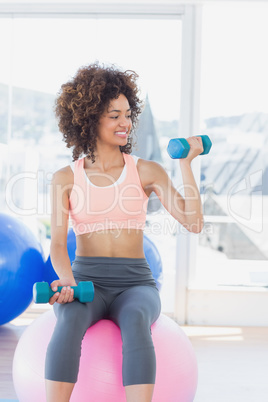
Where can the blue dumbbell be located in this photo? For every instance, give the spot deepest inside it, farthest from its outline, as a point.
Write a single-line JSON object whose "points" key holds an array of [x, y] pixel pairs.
{"points": [[179, 148], [84, 292]]}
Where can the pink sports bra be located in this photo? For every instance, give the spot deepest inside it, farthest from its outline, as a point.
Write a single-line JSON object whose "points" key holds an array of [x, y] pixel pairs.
{"points": [[121, 205]]}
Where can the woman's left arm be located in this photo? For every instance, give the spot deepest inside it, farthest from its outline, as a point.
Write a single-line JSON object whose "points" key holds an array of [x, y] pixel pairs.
{"points": [[188, 209]]}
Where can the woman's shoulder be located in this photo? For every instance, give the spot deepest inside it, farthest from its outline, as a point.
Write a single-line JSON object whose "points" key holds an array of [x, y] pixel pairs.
{"points": [[63, 175], [148, 166], [148, 170]]}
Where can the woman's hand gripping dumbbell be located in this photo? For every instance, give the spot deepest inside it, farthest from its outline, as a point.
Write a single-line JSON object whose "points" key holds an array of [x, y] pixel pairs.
{"points": [[179, 148], [84, 292]]}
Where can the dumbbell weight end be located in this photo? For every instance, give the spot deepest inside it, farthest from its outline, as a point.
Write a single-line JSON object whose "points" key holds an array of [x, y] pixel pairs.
{"points": [[178, 148]]}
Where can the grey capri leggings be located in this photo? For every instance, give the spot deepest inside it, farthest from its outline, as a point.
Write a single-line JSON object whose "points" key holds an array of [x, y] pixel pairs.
{"points": [[126, 293]]}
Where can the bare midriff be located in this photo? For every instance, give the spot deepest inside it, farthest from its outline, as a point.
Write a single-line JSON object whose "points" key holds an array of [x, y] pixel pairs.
{"points": [[125, 243]]}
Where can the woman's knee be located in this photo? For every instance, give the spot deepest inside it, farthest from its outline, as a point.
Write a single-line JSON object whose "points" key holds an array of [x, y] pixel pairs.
{"points": [[135, 319], [135, 329]]}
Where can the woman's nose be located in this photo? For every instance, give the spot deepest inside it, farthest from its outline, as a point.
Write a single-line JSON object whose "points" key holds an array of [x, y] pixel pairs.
{"points": [[124, 122]]}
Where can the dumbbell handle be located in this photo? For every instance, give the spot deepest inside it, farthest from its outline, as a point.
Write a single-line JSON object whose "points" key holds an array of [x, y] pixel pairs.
{"points": [[42, 292], [59, 289], [178, 148]]}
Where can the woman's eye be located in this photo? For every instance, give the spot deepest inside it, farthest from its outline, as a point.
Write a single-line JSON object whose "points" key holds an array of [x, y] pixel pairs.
{"points": [[116, 117]]}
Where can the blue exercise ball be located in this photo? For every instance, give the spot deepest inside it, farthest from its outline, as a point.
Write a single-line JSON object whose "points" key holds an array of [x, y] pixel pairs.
{"points": [[150, 250], [153, 258], [21, 265]]}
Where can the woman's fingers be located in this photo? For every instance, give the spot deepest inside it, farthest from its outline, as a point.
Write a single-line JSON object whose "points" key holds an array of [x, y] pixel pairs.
{"points": [[65, 296], [196, 147], [54, 298]]}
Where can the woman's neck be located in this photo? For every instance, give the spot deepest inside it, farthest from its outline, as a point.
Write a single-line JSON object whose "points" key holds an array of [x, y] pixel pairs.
{"points": [[106, 158]]}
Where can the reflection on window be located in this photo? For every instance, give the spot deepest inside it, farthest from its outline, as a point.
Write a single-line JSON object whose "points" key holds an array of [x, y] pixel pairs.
{"points": [[234, 181]]}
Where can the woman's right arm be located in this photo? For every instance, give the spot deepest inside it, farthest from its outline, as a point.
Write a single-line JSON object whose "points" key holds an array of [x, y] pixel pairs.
{"points": [[60, 186]]}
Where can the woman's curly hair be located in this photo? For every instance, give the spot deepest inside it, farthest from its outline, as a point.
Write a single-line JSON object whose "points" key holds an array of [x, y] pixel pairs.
{"points": [[82, 101]]}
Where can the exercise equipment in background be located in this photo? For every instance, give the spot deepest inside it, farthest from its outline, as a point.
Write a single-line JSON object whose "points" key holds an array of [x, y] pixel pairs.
{"points": [[178, 148], [153, 258], [100, 372], [21, 265]]}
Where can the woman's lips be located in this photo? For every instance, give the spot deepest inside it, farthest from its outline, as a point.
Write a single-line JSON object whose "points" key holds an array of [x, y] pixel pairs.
{"points": [[121, 134]]}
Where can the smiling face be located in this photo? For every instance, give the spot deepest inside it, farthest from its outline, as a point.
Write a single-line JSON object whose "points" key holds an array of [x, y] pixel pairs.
{"points": [[115, 123]]}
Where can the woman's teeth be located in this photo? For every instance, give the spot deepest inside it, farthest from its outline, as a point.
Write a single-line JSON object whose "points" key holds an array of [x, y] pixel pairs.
{"points": [[121, 133]]}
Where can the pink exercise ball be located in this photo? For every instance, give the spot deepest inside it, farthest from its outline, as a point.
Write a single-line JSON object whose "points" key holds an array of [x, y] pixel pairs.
{"points": [[100, 373]]}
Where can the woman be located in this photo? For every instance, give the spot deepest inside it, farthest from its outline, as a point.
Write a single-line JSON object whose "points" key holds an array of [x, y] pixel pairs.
{"points": [[106, 195]]}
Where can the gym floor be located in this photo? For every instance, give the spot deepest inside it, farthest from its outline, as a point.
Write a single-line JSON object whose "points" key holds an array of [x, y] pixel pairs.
{"points": [[232, 361]]}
